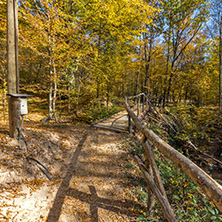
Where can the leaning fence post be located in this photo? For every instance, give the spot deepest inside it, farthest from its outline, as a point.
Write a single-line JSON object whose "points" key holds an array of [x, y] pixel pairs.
{"points": [[151, 196]]}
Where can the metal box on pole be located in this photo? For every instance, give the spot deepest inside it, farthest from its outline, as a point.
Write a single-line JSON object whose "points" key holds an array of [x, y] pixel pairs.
{"points": [[23, 102]]}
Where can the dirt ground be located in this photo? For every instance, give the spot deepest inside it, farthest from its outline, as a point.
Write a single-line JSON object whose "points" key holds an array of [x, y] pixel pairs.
{"points": [[88, 168]]}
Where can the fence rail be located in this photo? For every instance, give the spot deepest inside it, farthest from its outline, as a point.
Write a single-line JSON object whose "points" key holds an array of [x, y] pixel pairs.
{"points": [[208, 185]]}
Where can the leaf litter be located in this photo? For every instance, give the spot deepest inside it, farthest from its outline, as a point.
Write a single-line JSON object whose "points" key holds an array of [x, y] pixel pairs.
{"points": [[90, 180]]}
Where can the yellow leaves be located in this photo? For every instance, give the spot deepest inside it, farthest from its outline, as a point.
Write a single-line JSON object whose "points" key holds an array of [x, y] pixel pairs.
{"points": [[185, 185], [212, 203], [24, 180], [57, 158]]}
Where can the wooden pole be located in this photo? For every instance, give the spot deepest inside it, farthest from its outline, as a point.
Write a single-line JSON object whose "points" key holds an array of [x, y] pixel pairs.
{"points": [[14, 107], [12, 66], [167, 211], [149, 155], [220, 60], [11, 47], [15, 5]]}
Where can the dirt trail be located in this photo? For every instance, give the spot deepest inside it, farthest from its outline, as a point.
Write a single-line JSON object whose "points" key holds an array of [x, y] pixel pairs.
{"points": [[90, 179]]}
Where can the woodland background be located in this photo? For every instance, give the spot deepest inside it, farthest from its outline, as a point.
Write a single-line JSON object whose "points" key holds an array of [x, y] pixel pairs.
{"points": [[80, 57]]}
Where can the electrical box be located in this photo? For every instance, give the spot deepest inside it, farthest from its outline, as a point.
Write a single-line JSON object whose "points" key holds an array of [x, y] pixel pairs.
{"points": [[23, 102], [24, 106]]}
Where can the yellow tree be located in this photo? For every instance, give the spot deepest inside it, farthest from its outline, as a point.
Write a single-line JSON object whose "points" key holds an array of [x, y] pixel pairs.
{"points": [[3, 53], [183, 21], [45, 31], [114, 27]]}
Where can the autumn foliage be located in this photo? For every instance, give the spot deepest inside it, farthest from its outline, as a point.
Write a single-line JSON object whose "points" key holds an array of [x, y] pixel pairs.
{"points": [[89, 54]]}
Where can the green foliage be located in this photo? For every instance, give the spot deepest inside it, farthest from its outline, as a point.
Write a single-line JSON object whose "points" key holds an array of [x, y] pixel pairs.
{"points": [[96, 112], [186, 199]]}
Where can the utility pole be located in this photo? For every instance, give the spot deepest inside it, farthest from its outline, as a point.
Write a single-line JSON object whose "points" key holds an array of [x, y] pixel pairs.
{"points": [[220, 60], [12, 58]]}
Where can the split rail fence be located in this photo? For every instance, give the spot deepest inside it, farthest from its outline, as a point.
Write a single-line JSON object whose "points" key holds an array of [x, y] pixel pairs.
{"points": [[208, 185]]}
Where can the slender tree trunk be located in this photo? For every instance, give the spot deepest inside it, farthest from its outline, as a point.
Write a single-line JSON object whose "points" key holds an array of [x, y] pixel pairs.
{"points": [[69, 100], [54, 90], [50, 91], [137, 83], [123, 83], [169, 87], [78, 94], [107, 97], [97, 88], [4, 74], [147, 66], [165, 88]]}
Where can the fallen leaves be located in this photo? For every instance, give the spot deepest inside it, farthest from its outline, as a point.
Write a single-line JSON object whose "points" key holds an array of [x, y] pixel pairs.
{"points": [[100, 164]]}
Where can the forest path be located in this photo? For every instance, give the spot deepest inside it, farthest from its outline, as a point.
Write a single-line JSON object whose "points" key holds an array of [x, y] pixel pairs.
{"points": [[91, 178], [117, 122]]}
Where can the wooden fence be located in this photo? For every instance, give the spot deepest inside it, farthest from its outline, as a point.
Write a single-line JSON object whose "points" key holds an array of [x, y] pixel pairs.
{"points": [[208, 185]]}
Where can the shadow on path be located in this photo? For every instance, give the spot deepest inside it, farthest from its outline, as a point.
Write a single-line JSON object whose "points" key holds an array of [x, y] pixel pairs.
{"points": [[95, 202], [56, 209]]}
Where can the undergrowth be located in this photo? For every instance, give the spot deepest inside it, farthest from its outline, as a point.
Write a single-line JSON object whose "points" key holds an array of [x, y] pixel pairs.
{"points": [[100, 112], [186, 199], [200, 125]]}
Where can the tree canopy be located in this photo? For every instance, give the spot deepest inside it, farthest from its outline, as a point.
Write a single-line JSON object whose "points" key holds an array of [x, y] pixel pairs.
{"points": [[93, 52]]}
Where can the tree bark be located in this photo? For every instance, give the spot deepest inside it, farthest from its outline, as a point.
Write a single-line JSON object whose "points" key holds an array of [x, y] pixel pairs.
{"points": [[50, 87], [54, 91], [147, 66]]}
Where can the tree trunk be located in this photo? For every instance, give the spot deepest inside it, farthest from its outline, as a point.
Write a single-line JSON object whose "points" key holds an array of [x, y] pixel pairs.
{"points": [[107, 97], [50, 87], [97, 88], [4, 72], [165, 87], [54, 90], [78, 94], [137, 83], [147, 66]]}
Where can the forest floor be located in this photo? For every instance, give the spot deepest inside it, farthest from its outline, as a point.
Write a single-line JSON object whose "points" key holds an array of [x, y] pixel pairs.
{"points": [[91, 180]]}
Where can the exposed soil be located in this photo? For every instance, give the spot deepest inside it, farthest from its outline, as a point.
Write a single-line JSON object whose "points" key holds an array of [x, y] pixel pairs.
{"points": [[88, 167]]}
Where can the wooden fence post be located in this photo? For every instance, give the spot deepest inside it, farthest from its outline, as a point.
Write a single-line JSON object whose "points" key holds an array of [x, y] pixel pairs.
{"points": [[151, 196], [167, 211]]}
